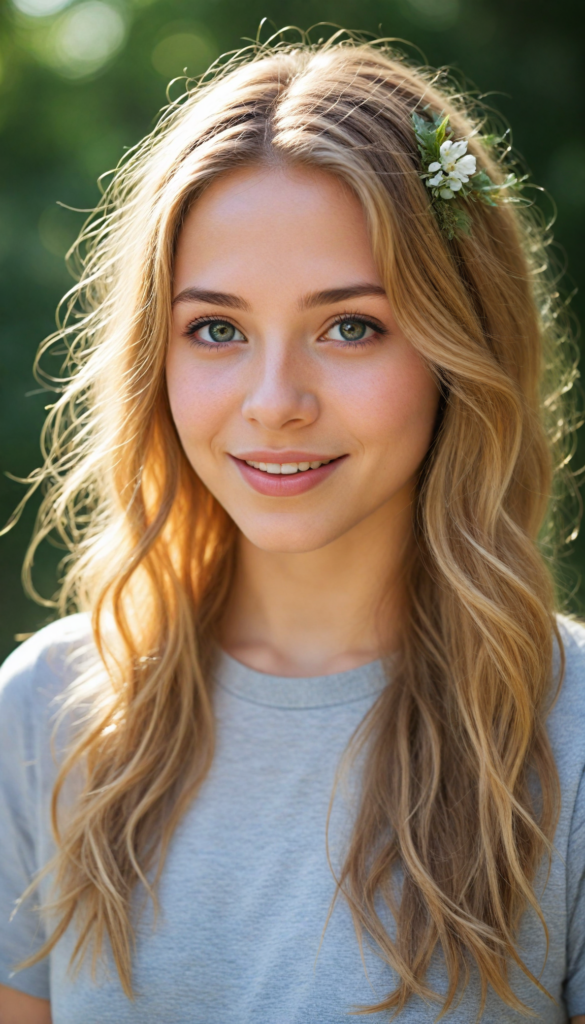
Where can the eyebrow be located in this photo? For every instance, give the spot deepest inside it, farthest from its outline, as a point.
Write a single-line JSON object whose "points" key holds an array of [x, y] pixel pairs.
{"points": [[213, 298], [327, 297], [331, 295]]}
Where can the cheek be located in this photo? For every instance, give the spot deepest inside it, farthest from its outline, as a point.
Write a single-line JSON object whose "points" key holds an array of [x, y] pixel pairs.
{"points": [[201, 398], [393, 407]]}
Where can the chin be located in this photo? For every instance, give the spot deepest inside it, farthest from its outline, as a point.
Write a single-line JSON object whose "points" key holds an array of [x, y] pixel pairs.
{"points": [[290, 538]]}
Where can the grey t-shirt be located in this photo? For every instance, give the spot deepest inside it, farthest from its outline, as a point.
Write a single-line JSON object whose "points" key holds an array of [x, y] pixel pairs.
{"points": [[246, 888]]}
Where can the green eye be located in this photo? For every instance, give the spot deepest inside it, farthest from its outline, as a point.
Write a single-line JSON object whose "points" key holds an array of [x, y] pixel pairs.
{"points": [[352, 330], [220, 331], [215, 332]]}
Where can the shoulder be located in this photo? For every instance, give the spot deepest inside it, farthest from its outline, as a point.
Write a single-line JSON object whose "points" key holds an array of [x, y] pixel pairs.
{"points": [[566, 721], [38, 671], [572, 693]]}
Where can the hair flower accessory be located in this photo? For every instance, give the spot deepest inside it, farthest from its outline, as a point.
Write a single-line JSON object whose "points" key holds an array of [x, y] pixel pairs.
{"points": [[451, 173], [455, 166]]}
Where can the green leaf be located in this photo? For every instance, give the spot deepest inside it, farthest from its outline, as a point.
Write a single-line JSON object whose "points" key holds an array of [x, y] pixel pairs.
{"points": [[513, 182], [425, 136], [420, 124], [485, 198], [462, 221], [430, 135], [490, 139], [453, 221], [441, 131], [481, 182], [484, 189]]}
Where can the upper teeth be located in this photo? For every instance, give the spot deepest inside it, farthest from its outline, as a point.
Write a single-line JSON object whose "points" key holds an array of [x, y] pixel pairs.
{"points": [[286, 467]]}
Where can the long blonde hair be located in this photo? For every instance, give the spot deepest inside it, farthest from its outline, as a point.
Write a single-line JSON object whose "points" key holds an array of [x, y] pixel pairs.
{"points": [[452, 742]]}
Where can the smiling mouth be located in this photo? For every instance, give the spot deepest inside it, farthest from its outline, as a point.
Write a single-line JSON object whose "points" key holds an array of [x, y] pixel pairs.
{"points": [[287, 468]]}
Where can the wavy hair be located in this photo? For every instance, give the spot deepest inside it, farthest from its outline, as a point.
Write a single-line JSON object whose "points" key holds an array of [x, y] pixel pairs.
{"points": [[451, 745]]}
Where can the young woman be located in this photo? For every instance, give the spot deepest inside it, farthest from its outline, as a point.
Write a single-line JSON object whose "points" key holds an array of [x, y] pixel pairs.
{"points": [[315, 741]]}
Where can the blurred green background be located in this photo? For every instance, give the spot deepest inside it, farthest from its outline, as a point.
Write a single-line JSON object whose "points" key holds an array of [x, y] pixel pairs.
{"points": [[81, 80]]}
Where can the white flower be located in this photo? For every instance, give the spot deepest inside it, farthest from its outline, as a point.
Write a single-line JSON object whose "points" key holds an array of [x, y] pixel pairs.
{"points": [[456, 162], [435, 182], [454, 183], [454, 167]]}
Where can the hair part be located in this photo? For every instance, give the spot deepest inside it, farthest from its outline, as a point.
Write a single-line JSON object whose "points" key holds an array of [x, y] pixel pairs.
{"points": [[450, 745]]}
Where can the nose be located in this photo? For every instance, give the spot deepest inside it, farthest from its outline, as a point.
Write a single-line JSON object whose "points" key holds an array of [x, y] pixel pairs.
{"points": [[280, 394]]}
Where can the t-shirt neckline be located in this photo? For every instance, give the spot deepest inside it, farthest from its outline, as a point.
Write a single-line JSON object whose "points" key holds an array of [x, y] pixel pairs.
{"points": [[365, 681]]}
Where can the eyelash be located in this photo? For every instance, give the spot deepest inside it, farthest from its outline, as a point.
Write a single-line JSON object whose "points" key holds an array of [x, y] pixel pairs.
{"points": [[203, 321], [200, 322], [380, 332]]}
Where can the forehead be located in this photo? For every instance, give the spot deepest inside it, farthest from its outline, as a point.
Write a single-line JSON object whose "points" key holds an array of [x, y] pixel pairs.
{"points": [[293, 227]]}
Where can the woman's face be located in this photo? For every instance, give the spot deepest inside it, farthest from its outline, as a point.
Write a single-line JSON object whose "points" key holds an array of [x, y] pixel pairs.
{"points": [[299, 403]]}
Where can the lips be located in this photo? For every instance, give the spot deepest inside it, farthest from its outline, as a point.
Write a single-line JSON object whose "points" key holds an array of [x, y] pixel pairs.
{"points": [[294, 473]]}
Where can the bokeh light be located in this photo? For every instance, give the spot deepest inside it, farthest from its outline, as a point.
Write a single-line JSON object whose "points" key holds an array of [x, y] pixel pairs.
{"points": [[40, 8], [180, 51], [436, 15], [84, 38]]}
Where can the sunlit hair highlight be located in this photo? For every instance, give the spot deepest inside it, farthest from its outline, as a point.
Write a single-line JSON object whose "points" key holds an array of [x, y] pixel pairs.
{"points": [[450, 745]]}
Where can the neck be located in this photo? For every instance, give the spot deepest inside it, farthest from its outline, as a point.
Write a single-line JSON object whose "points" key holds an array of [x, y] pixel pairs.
{"points": [[324, 611]]}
